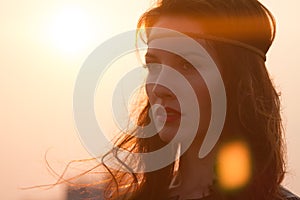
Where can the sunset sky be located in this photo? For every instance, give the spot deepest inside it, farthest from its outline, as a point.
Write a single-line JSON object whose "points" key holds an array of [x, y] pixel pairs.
{"points": [[39, 63]]}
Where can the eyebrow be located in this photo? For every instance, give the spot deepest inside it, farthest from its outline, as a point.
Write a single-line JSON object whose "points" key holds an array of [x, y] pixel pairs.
{"points": [[181, 55]]}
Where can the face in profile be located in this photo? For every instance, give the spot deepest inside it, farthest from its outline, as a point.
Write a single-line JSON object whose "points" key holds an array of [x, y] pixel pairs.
{"points": [[172, 75]]}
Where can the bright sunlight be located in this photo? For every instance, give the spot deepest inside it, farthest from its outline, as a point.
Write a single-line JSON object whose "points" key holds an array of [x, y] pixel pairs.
{"points": [[70, 30]]}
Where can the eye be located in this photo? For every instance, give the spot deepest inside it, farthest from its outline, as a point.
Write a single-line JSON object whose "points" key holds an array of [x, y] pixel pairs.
{"points": [[153, 68], [186, 66]]}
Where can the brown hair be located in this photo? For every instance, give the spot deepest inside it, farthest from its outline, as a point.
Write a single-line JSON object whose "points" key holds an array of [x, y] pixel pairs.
{"points": [[253, 105]]}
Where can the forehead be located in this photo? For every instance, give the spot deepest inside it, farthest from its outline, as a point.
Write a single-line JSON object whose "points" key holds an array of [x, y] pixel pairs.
{"points": [[191, 47], [164, 42], [176, 32], [180, 23]]}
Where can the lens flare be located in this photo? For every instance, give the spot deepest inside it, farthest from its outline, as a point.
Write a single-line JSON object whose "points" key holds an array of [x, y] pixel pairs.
{"points": [[234, 165]]}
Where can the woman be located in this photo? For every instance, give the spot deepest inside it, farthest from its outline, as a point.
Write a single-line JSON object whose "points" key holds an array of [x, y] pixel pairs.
{"points": [[237, 35]]}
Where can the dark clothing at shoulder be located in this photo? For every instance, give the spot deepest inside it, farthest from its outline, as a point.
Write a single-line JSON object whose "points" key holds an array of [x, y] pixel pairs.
{"points": [[89, 193], [289, 195]]}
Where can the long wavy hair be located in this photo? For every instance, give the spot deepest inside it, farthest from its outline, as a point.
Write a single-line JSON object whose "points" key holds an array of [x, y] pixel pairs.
{"points": [[253, 104]]}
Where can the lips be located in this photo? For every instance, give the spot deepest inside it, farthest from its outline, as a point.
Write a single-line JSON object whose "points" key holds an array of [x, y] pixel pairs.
{"points": [[167, 114]]}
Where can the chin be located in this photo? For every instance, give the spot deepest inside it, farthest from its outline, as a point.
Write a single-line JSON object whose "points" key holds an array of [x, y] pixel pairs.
{"points": [[166, 137]]}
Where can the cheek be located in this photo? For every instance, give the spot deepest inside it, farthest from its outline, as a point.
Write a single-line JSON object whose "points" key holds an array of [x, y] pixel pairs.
{"points": [[149, 92], [201, 90], [203, 96], [149, 86], [203, 101]]}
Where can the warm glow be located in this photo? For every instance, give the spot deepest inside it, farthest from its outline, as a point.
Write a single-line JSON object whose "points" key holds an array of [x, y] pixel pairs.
{"points": [[234, 165], [70, 30]]}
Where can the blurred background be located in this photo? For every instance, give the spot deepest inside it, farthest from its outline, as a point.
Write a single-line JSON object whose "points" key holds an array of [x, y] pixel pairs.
{"points": [[42, 47]]}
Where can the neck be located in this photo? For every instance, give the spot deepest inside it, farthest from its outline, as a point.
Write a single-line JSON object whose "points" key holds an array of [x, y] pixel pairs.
{"points": [[195, 175]]}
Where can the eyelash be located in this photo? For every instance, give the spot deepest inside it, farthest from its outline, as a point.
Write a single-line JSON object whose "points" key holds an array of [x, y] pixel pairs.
{"points": [[184, 66]]}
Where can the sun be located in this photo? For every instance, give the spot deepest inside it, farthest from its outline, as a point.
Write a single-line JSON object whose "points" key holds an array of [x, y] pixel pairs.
{"points": [[70, 30]]}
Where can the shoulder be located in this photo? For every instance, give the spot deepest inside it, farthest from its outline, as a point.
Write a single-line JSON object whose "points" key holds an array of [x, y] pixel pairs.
{"points": [[288, 194]]}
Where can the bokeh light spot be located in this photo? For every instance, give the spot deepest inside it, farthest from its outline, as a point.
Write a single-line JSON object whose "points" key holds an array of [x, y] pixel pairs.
{"points": [[234, 165]]}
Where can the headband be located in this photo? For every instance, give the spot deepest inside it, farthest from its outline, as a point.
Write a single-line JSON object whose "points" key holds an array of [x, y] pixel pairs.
{"points": [[230, 41], [219, 39]]}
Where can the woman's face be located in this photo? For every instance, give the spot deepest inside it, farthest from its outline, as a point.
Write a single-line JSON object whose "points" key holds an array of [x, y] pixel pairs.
{"points": [[160, 63]]}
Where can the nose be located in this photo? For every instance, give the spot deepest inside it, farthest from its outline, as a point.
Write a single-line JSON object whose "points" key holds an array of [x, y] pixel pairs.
{"points": [[158, 86]]}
